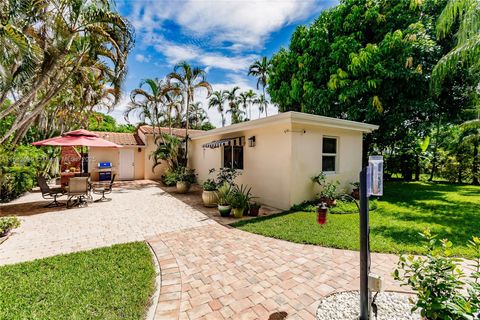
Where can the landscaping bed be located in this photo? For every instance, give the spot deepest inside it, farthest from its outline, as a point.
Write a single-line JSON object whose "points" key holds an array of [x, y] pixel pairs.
{"points": [[108, 283], [405, 210]]}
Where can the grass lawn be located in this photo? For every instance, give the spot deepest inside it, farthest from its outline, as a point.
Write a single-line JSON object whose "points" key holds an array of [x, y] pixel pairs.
{"points": [[107, 283], [451, 211]]}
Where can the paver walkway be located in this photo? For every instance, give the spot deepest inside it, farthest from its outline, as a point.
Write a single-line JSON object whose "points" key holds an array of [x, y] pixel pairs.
{"points": [[215, 272], [208, 271], [137, 211]]}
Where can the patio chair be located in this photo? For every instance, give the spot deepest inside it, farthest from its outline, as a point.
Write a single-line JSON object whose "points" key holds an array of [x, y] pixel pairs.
{"points": [[77, 191], [50, 193], [103, 188]]}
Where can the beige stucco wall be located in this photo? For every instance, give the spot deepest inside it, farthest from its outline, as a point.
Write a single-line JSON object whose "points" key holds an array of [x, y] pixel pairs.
{"points": [[148, 161], [279, 168], [266, 166], [97, 155], [307, 159], [112, 155]]}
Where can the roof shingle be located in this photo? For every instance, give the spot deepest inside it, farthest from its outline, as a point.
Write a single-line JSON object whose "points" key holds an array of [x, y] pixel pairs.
{"points": [[179, 132], [121, 138]]}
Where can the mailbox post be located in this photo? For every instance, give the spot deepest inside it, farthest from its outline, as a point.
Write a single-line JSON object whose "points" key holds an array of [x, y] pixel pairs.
{"points": [[371, 183]]}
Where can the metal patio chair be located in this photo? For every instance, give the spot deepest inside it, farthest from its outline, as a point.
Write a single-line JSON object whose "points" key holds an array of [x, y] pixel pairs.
{"points": [[77, 191], [50, 193], [103, 189]]}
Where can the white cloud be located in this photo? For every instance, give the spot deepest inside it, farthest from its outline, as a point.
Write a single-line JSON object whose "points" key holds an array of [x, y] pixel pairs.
{"points": [[245, 23], [175, 53], [142, 58]]}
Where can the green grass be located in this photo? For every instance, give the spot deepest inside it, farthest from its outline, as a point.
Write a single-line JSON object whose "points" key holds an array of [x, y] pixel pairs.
{"points": [[108, 283], [451, 211]]}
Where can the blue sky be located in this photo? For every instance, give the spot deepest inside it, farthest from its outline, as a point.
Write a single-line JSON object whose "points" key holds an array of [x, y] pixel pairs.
{"points": [[222, 36]]}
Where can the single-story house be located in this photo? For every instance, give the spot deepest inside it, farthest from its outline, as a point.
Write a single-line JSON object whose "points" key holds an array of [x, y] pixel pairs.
{"points": [[276, 155], [133, 160]]}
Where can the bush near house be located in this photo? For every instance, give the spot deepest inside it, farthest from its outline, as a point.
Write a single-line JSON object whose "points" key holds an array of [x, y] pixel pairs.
{"points": [[108, 283], [19, 169], [406, 209]]}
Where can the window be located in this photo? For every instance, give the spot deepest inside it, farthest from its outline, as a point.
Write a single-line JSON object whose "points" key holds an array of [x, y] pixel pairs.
{"points": [[329, 154], [233, 157]]}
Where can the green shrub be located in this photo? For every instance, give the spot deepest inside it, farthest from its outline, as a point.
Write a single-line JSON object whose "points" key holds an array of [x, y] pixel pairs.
{"points": [[169, 178], [19, 169], [443, 290], [209, 185], [8, 223]]}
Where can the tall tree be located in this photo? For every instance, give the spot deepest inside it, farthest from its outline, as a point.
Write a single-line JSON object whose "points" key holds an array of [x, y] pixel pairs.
{"points": [[217, 100], [262, 103], [471, 136], [233, 104], [190, 80], [148, 104], [462, 15], [55, 45], [260, 69]]}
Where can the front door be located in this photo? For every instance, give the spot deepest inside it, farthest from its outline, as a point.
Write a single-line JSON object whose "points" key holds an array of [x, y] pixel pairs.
{"points": [[126, 166]]}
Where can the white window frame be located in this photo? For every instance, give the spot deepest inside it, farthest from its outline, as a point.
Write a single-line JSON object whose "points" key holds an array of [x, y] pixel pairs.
{"points": [[331, 155]]}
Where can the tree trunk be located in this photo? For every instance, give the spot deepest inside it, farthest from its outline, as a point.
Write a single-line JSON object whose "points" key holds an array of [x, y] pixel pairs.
{"points": [[417, 167], [435, 150], [460, 173], [37, 109], [265, 100], [186, 129], [475, 165]]}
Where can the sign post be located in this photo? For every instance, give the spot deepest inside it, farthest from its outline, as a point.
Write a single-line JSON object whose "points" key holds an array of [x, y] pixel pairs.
{"points": [[371, 183]]}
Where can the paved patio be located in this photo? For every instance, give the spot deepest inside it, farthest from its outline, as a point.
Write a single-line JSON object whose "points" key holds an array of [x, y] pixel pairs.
{"points": [[208, 270], [139, 210], [215, 272]]}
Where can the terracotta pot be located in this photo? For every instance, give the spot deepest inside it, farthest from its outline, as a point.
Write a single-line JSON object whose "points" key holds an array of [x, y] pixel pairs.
{"points": [[224, 210], [210, 198], [254, 211], [183, 186], [238, 212]]}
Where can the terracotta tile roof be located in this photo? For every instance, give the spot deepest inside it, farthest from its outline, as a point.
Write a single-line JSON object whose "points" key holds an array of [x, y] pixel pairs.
{"points": [[123, 139], [175, 131]]}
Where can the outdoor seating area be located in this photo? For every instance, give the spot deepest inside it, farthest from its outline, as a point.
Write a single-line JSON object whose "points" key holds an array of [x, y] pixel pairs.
{"points": [[79, 191]]}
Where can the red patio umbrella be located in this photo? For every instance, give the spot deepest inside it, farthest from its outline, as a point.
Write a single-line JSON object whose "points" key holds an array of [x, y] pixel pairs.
{"points": [[80, 138]]}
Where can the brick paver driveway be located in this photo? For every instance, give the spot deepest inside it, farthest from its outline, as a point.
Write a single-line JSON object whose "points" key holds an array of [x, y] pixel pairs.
{"points": [[215, 272], [137, 211], [208, 270]]}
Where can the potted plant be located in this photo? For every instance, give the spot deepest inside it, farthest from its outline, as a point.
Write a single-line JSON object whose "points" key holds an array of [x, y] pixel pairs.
{"points": [[224, 196], [329, 193], [239, 200], [254, 209], [7, 224], [185, 178], [209, 194], [237, 203], [355, 190]]}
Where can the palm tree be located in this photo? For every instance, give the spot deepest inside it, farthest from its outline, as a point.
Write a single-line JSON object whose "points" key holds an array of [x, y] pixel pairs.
{"points": [[466, 51], [260, 69], [251, 96], [197, 114], [471, 136], [62, 42], [233, 103], [173, 103], [262, 104], [189, 80], [148, 104], [243, 99], [217, 100]]}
